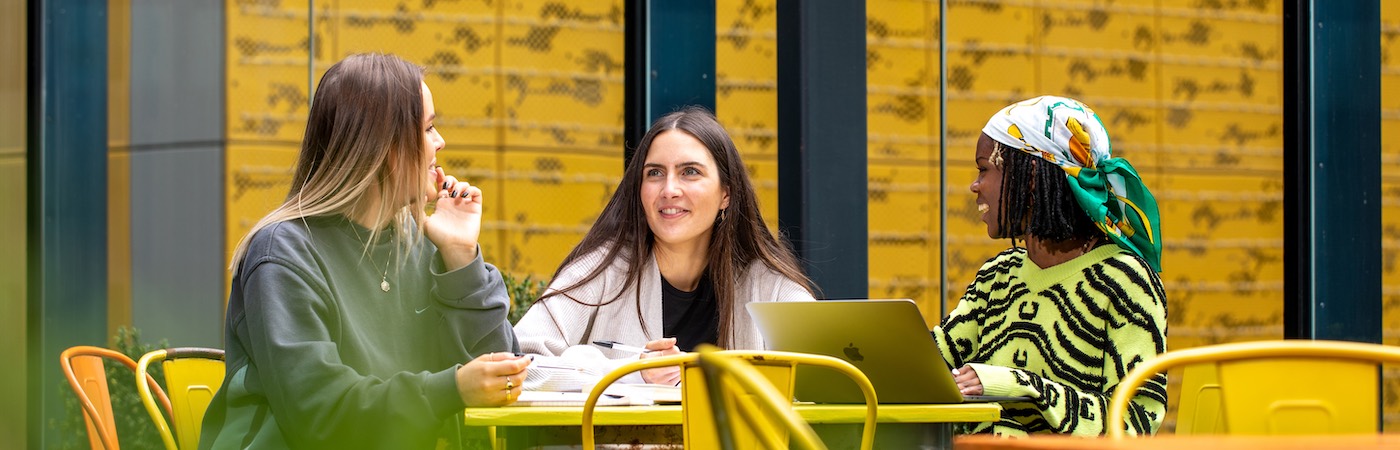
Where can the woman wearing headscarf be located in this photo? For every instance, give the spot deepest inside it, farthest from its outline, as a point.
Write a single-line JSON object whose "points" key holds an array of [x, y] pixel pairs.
{"points": [[1075, 303]]}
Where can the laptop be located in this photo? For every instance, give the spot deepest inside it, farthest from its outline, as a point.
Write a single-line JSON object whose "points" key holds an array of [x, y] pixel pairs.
{"points": [[886, 339]]}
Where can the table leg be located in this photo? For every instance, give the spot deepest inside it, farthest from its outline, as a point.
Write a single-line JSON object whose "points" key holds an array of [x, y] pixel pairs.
{"points": [[943, 436]]}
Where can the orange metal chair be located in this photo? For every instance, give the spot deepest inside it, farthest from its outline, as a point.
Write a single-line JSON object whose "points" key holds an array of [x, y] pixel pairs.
{"points": [[86, 372], [192, 375], [1270, 387]]}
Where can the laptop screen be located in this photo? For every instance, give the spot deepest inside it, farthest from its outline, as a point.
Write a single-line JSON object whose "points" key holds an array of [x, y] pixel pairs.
{"points": [[886, 339]]}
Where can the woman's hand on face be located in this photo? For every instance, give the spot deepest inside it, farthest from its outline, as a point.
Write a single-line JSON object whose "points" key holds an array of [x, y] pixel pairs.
{"points": [[493, 379], [670, 375], [968, 382], [456, 222]]}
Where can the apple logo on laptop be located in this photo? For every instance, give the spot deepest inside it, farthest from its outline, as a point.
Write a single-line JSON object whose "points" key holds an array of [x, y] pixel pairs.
{"points": [[853, 353]]}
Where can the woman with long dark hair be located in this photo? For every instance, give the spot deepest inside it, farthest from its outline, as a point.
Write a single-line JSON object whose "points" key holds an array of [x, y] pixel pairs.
{"points": [[672, 259]]}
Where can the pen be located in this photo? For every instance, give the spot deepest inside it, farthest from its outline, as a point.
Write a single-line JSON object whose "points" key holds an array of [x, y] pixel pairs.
{"points": [[618, 346]]}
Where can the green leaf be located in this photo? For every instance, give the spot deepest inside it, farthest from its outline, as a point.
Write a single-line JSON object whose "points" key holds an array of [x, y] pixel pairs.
{"points": [[523, 293]]}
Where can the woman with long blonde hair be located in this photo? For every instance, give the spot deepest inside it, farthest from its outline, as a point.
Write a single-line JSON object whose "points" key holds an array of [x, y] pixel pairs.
{"points": [[357, 320]]}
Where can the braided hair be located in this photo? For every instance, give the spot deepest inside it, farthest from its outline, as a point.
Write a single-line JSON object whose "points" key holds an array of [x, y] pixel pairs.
{"points": [[1036, 200]]}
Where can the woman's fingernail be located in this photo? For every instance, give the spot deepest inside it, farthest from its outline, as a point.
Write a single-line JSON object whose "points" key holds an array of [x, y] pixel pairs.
{"points": [[444, 185], [453, 194]]}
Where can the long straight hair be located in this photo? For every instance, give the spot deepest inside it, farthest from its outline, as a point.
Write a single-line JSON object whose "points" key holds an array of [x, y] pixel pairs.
{"points": [[735, 243], [363, 135]]}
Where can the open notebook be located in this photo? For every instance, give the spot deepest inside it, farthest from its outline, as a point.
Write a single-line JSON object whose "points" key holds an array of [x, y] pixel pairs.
{"points": [[567, 379], [615, 395]]}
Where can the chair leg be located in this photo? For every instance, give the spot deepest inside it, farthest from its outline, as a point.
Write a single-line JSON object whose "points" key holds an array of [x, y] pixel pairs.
{"points": [[717, 406]]}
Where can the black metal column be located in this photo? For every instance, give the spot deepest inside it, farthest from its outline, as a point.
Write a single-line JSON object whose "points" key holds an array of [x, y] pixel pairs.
{"points": [[822, 206], [67, 199], [634, 67], [669, 62], [1332, 170]]}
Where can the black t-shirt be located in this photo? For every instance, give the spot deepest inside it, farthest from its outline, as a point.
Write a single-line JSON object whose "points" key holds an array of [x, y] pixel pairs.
{"points": [[690, 317]]}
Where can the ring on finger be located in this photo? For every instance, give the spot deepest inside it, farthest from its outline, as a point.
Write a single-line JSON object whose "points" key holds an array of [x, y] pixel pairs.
{"points": [[510, 384]]}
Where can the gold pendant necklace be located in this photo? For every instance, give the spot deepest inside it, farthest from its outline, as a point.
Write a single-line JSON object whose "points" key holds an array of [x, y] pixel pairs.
{"points": [[384, 276]]}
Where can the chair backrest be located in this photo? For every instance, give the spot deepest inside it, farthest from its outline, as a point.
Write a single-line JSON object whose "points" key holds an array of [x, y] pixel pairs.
{"points": [[192, 375], [747, 409], [86, 372], [1273, 387], [1198, 410], [757, 385]]}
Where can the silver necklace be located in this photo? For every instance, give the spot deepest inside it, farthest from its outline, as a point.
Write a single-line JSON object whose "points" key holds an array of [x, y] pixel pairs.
{"points": [[384, 277]]}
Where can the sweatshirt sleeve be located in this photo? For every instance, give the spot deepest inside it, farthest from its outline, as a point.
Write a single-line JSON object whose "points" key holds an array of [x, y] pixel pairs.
{"points": [[959, 332], [553, 324], [474, 305], [328, 404]]}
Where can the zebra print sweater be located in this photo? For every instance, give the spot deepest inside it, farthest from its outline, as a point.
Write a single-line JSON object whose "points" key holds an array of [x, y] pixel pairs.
{"points": [[1063, 336]]}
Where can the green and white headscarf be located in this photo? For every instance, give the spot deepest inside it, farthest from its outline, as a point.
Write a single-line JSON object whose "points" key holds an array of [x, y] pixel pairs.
{"points": [[1066, 132]]}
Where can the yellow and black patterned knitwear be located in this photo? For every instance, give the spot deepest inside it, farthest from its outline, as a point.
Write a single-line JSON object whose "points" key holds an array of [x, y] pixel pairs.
{"points": [[1063, 336]]}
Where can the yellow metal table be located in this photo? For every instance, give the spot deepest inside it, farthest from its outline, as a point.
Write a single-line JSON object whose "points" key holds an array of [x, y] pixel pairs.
{"points": [[900, 426]]}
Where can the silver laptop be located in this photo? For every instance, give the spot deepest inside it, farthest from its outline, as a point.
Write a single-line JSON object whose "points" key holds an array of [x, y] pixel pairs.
{"points": [[886, 339]]}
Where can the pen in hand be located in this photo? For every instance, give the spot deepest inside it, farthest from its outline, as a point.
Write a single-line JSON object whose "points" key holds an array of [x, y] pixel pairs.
{"points": [[618, 346]]}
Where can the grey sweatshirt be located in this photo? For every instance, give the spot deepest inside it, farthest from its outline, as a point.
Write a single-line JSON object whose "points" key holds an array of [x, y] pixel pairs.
{"points": [[318, 356]]}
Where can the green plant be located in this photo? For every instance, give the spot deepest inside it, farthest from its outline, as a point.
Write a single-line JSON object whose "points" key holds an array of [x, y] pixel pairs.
{"points": [[134, 426], [523, 293]]}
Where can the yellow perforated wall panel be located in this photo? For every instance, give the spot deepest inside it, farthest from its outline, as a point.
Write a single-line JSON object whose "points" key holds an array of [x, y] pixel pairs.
{"points": [[529, 97]]}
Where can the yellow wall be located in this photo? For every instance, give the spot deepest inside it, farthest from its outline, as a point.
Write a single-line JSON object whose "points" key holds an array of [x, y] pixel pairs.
{"points": [[14, 311], [118, 164], [529, 100], [1390, 197], [529, 95]]}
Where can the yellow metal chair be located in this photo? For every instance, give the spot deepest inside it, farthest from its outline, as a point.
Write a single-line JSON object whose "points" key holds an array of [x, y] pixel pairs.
{"points": [[86, 372], [753, 386], [192, 375], [736, 390], [1198, 410], [1272, 387]]}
